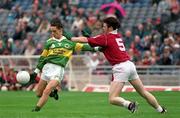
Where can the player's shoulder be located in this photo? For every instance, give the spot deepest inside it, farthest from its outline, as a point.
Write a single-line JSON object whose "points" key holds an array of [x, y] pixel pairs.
{"points": [[50, 39]]}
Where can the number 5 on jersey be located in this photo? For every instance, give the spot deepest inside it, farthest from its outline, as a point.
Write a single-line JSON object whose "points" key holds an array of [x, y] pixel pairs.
{"points": [[120, 44]]}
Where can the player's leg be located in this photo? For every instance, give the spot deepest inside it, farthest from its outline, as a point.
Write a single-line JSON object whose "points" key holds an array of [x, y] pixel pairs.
{"points": [[115, 99], [114, 92], [120, 76], [40, 87], [137, 84], [54, 93], [50, 86]]}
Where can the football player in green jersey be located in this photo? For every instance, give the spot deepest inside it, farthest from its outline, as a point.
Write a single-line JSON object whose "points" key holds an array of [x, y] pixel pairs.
{"points": [[56, 53]]}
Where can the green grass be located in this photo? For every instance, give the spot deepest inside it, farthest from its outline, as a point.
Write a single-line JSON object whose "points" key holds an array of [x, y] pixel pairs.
{"points": [[84, 105]]}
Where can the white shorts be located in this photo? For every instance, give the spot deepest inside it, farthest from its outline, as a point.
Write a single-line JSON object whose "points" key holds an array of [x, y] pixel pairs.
{"points": [[124, 72], [52, 72]]}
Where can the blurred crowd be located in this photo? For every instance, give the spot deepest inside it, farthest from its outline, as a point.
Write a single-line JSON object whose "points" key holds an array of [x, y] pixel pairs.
{"points": [[148, 43]]}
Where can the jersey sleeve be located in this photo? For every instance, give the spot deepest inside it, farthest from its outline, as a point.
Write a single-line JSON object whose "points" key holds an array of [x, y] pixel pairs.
{"points": [[42, 59], [84, 47], [68, 35], [100, 40]]}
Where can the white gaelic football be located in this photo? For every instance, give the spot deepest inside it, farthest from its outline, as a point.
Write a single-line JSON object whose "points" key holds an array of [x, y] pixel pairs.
{"points": [[23, 77]]}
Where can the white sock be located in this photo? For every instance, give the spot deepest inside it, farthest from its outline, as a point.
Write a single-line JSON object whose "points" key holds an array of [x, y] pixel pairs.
{"points": [[126, 103], [159, 109]]}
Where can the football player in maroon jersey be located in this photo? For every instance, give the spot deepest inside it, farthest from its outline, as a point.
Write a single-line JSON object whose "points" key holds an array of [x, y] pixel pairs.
{"points": [[123, 69]]}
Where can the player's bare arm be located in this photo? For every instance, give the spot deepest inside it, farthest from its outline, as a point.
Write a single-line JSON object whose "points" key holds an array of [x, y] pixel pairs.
{"points": [[80, 39]]}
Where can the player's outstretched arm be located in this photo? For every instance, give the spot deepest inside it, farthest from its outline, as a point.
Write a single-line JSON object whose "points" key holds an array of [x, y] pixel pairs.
{"points": [[87, 47], [41, 62], [81, 39], [38, 68]]}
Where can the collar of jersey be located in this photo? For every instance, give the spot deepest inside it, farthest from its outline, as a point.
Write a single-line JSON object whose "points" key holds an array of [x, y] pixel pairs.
{"points": [[63, 37], [114, 32]]}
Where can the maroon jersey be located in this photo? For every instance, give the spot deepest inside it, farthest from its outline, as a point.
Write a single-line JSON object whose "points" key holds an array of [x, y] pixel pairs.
{"points": [[113, 47]]}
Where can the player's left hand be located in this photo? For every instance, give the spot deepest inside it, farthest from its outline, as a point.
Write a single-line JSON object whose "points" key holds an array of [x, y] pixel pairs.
{"points": [[100, 49]]}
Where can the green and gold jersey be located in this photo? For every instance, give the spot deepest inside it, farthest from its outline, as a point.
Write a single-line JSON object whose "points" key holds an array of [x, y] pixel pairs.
{"points": [[59, 51]]}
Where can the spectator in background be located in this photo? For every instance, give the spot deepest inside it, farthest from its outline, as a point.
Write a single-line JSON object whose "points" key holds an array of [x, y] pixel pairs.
{"points": [[128, 38], [30, 50], [132, 56], [146, 58], [74, 2], [93, 62], [15, 13], [97, 28], [148, 26], [156, 38], [137, 45], [2, 80], [2, 46], [122, 1], [77, 25], [24, 45], [16, 49], [176, 54], [36, 24], [44, 27], [41, 14], [6, 4], [164, 7], [154, 52], [145, 43], [155, 2], [39, 48], [12, 79], [65, 10], [140, 31], [6, 78], [9, 46], [166, 43], [175, 9], [18, 35], [166, 57], [25, 17]]}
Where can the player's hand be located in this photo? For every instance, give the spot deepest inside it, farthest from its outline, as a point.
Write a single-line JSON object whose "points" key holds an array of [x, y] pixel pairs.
{"points": [[33, 76], [100, 49]]}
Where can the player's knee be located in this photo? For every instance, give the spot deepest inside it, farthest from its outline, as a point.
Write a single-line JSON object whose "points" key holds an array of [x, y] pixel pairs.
{"points": [[47, 91], [38, 94]]}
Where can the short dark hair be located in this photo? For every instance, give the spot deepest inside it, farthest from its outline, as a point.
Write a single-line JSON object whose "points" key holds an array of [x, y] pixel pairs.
{"points": [[57, 23], [112, 22]]}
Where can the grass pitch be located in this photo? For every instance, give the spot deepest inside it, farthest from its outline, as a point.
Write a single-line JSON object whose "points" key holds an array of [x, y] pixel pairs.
{"points": [[84, 105]]}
